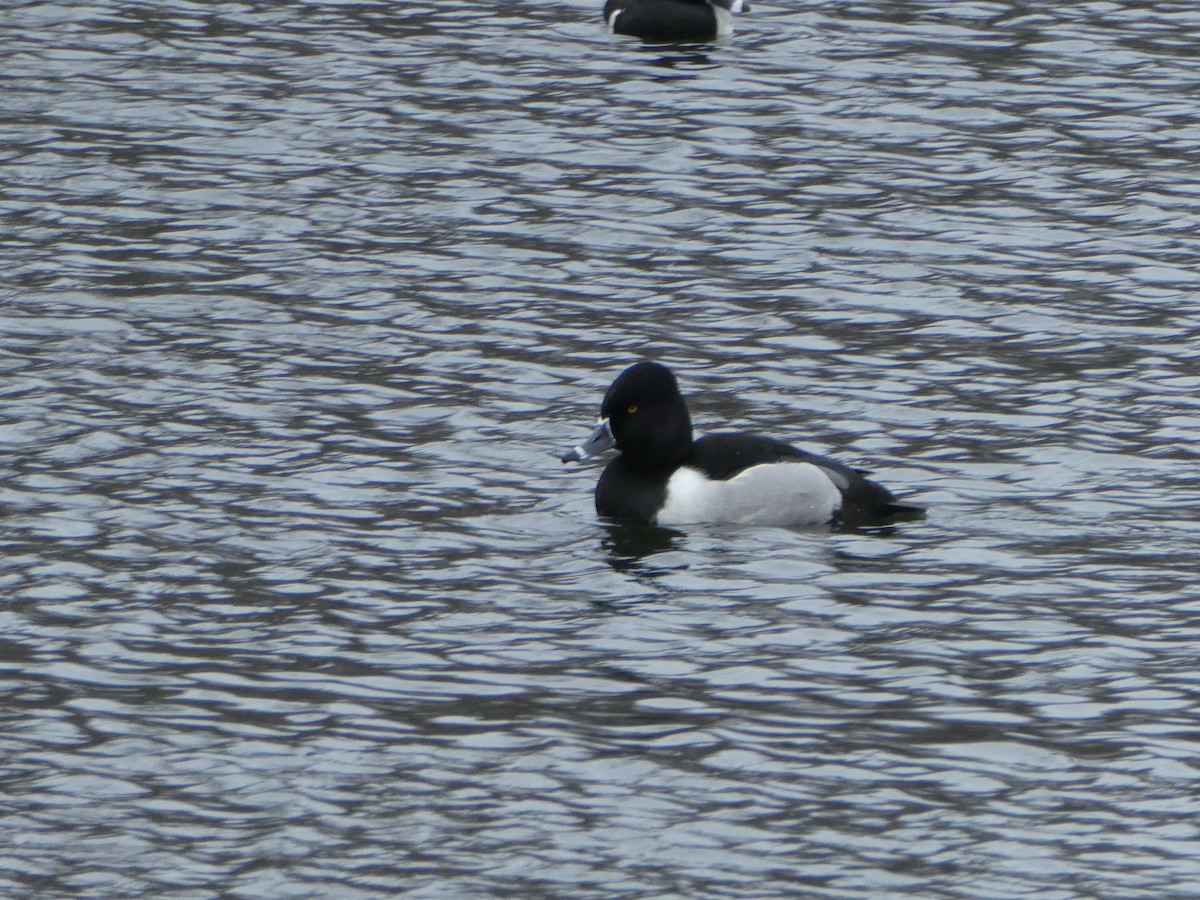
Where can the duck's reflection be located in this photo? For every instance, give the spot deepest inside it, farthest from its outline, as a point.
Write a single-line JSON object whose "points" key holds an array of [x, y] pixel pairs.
{"points": [[682, 62], [627, 545]]}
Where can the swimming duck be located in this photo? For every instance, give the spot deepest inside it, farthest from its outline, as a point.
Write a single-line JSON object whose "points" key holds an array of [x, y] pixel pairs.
{"points": [[670, 21], [664, 477]]}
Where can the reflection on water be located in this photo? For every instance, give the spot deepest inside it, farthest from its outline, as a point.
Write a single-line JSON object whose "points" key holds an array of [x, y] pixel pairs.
{"points": [[299, 303], [628, 544], [679, 60]]}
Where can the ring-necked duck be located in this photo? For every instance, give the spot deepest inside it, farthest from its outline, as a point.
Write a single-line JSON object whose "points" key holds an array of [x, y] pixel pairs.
{"points": [[669, 21], [662, 477]]}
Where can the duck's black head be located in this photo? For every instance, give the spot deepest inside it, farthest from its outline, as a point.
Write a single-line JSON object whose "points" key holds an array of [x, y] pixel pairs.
{"points": [[647, 416]]}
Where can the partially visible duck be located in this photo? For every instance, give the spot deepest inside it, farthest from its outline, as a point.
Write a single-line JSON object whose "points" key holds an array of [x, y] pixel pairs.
{"points": [[671, 21], [663, 477]]}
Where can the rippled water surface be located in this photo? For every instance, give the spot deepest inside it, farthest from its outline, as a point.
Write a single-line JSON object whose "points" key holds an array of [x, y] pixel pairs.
{"points": [[300, 302]]}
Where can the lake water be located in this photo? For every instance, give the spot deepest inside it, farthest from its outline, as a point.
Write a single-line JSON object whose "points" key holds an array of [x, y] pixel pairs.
{"points": [[301, 302]]}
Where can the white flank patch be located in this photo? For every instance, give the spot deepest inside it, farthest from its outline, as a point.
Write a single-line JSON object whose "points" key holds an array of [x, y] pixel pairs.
{"points": [[789, 493], [724, 21], [612, 20]]}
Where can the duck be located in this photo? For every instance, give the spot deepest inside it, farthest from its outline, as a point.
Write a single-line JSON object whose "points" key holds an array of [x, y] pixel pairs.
{"points": [[670, 21], [661, 476]]}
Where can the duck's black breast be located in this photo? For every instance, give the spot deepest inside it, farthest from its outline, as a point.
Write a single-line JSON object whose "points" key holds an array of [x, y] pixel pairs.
{"points": [[632, 493], [663, 21]]}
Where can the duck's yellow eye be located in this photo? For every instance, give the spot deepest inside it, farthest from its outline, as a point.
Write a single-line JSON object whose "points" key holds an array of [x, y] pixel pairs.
{"points": [[632, 408]]}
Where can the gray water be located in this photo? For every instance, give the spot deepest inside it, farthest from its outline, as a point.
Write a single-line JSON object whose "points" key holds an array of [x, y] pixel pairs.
{"points": [[301, 301]]}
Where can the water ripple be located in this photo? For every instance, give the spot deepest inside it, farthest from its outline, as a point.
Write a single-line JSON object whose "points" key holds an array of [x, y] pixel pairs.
{"points": [[301, 304]]}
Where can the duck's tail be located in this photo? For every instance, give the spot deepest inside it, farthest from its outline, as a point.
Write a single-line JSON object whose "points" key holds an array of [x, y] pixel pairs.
{"points": [[895, 511]]}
